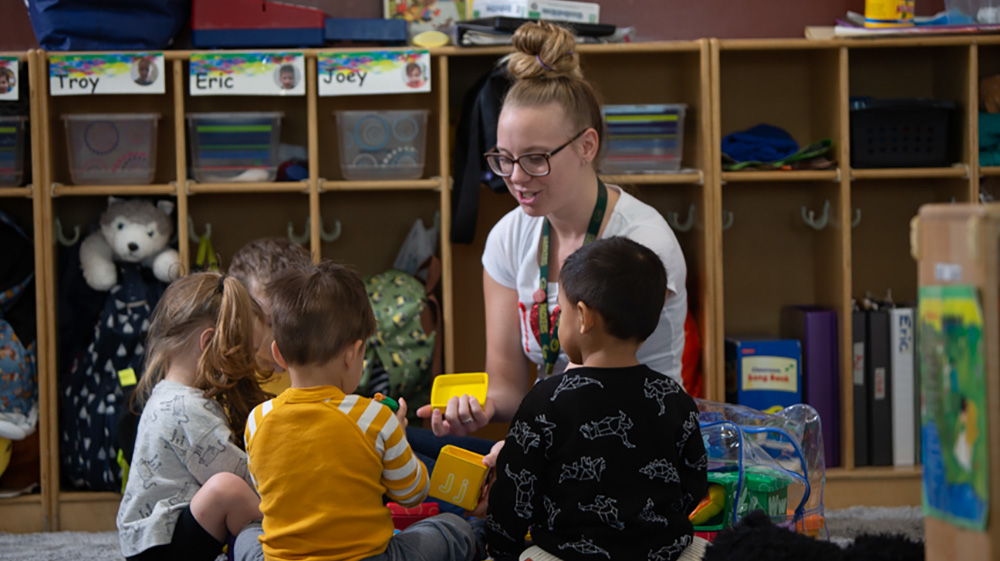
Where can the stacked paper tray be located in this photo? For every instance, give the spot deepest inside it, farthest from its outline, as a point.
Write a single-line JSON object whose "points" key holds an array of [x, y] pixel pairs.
{"points": [[644, 138]]}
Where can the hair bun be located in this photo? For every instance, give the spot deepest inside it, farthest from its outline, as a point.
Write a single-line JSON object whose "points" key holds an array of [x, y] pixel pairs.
{"points": [[543, 50]]}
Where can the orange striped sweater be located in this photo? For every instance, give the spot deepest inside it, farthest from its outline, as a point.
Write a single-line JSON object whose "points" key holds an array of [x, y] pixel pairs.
{"points": [[321, 461]]}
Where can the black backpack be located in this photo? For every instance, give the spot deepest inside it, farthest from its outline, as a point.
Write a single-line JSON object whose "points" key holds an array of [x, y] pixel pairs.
{"points": [[93, 401]]}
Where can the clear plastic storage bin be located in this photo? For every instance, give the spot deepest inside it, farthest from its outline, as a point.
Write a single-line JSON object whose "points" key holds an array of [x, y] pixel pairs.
{"points": [[644, 138], [234, 147], [12, 150], [111, 148], [382, 144]]}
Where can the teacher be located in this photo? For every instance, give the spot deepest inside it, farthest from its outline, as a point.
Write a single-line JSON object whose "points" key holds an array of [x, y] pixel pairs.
{"points": [[549, 137]]}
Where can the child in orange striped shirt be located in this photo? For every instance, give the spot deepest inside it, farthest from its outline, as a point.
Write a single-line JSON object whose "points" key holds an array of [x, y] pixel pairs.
{"points": [[321, 458]]}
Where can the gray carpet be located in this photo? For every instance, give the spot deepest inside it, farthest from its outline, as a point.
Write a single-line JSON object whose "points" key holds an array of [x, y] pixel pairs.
{"points": [[843, 525]]}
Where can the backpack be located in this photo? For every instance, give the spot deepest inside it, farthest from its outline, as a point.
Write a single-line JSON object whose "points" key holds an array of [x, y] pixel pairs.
{"points": [[404, 354], [18, 366], [93, 401]]}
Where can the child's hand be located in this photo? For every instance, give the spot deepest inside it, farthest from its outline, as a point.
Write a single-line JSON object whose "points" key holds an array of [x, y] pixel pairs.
{"points": [[401, 413]]}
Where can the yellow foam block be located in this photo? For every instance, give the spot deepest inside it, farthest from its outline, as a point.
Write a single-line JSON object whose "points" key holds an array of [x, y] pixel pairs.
{"points": [[458, 476], [447, 386]]}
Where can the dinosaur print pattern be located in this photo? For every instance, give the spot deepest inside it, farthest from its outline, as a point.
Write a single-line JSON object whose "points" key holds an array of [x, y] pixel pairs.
{"points": [[569, 383], [650, 515], [523, 435], [605, 509], [609, 426], [585, 546], [584, 469], [662, 469], [658, 389]]}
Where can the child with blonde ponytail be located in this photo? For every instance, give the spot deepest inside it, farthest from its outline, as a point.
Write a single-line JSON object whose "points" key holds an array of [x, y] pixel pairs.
{"points": [[189, 487]]}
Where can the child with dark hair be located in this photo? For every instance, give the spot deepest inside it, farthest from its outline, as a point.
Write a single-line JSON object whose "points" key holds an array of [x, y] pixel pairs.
{"points": [[321, 458], [256, 264], [605, 460]]}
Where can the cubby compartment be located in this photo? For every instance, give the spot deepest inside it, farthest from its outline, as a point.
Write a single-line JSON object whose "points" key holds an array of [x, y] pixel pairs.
{"points": [[673, 75], [404, 159], [233, 219], [878, 72], [351, 219], [987, 79], [111, 140], [22, 455], [111, 148], [794, 86], [881, 261], [13, 136], [773, 258], [234, 147], [382, 144]]}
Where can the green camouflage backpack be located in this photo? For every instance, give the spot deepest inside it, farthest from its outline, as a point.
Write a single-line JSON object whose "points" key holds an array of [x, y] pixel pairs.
{"points": [[404, 355]]}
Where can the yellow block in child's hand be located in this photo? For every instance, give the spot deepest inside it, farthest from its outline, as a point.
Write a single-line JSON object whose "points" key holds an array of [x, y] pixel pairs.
{"points": [[458, 477], [447, 386]]}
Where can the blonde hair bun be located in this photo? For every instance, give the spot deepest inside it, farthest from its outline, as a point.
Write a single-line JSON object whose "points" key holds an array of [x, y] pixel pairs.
{"points": [[543, 50]]}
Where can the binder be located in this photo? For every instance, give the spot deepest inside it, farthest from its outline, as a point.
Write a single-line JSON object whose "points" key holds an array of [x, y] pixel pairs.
{"points": [[816, 330], [858, 330], [901, 329], [879, 385]]}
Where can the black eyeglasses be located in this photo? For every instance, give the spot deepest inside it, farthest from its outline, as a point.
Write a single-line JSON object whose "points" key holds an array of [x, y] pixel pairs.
{"points": [[535, 164]]}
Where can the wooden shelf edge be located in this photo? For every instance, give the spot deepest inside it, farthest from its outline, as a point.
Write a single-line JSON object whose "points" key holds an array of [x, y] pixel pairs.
{"points": [[956, 172], [653, 178], [88, 496], [989, 171], [771, 176], [886, 472], [15, 192], [31, 498], [269, 187], [120, 190], [388, 185]]}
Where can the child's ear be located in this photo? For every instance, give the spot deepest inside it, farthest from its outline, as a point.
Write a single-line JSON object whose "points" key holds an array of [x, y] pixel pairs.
{"points": [[205, 337], [276, 353], [354, 352], [588, 317]]}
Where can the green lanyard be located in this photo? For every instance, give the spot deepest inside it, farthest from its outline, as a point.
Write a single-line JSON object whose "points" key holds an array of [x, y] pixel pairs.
{"points": [[550, 344]]}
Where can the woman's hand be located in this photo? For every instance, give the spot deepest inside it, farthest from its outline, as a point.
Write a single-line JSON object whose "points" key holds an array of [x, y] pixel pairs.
{"points": [[463, 415]]}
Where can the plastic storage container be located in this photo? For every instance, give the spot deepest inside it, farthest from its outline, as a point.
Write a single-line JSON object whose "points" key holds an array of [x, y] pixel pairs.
{"points": [[382, 144], [234, 147], [896, 133], [12, 150], [644, 138], [111, 148]]}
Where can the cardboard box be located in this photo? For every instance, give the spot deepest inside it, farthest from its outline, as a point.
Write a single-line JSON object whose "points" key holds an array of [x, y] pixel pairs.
{"points": [[551, 10], [765, 374]]}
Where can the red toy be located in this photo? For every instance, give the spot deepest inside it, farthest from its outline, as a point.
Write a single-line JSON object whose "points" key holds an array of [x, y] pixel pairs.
{"points": [[403, 517], [255, 23]]}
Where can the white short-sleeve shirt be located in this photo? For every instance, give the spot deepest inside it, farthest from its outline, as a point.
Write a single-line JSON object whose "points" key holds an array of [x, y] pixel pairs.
{"points": [[511, 259]]}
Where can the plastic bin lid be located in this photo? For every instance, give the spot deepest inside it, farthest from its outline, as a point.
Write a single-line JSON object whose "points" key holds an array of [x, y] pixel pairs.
{"points": [[237, 115], [859, 104], [9, 118], [109, 116]]}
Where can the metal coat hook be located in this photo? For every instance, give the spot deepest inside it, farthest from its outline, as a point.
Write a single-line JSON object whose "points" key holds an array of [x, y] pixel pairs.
{"points": [[193, 235], [327, 237], [63, 240], [809, 217], [675, 224], [857, 218], [727, 219], [300, 240]]}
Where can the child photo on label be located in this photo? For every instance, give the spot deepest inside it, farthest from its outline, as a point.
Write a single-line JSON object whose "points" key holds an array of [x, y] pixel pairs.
{"points": [[286, 76], [144, 71], [414, 75], [7, 80]]}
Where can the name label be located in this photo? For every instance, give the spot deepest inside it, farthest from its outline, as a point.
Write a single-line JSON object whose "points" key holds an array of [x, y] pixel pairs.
{"points": [[374, 72], [106, 74], [247, 73]]}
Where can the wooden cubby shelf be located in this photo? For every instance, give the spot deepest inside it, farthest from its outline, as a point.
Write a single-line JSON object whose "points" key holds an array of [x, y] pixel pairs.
{"points": [[748, 251]]}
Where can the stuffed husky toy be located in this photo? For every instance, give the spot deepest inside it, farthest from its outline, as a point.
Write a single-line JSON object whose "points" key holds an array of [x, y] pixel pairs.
{"points": [[132, 231]]}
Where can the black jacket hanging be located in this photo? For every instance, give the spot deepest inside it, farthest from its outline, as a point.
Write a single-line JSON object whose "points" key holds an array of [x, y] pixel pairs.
{"points": [[477, 133]]}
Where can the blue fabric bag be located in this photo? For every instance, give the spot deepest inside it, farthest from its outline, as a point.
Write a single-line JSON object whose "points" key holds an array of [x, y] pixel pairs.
{"points": [[101, 25]]}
